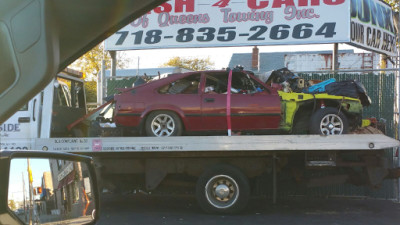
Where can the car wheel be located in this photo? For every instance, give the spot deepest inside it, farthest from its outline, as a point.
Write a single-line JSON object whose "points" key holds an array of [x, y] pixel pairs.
{"points": [[222, 189], [163, 124], [329, 121]]}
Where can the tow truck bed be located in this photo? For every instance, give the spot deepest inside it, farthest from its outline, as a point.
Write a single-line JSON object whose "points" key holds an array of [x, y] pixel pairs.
{"points": [[217, 143], [150, 162]]}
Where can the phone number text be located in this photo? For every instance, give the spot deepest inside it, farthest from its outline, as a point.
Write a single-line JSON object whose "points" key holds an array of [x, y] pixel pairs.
{"points": [[227, 34]]}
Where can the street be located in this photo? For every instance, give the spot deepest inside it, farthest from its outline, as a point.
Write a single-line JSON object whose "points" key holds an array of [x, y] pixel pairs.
{"points": [[141, 209]]}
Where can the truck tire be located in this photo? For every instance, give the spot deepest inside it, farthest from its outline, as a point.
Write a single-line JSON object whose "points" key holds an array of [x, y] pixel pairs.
{"points": [[222, 189], [329, 121], [163, 124]]}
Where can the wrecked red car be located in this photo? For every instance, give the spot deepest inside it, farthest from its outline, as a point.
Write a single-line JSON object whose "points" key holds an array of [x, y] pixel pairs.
{"points": [[197, 102]]}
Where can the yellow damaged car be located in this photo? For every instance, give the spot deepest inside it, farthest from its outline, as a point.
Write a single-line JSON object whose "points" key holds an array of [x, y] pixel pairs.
{"points": [[319, 107]]}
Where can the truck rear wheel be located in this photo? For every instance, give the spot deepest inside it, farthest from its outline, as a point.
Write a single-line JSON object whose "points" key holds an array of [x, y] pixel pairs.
{"points": [[329, 121], [222, 189]]}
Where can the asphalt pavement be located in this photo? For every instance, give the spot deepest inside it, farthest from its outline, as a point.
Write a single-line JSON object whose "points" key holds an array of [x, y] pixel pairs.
{"points": [[142, 209]]}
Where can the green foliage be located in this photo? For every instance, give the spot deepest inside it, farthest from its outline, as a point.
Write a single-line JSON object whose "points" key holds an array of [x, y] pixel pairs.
{"points": [[12, 205], [90, 62], [190, 63], [394, 3], [91, 91]]}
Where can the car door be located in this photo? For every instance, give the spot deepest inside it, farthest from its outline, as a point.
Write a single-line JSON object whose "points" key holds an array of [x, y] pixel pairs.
{"points": [[68, 106], [182, 96], [253, 107], [213, 101]]}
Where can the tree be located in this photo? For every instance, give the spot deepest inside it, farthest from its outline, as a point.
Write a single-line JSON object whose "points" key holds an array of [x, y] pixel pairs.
{"points": [[90, 62], [394, 3], [12, 205], [91, 91], [190, 63]]}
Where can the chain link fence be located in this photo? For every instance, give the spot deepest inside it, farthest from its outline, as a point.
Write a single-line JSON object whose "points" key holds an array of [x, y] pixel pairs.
{"points": [[113, 83]]}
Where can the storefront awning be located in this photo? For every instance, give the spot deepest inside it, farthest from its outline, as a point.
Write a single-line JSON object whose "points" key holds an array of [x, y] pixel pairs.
{"points": [[66, 180]]}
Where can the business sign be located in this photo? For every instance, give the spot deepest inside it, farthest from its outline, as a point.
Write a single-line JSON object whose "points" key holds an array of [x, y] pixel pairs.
{"points": [[65, 172], [217, 23], [372, 26], [209, 23]]}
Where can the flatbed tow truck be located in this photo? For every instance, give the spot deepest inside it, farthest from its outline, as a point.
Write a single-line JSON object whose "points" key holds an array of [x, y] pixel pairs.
{"points": [[221, 170]]}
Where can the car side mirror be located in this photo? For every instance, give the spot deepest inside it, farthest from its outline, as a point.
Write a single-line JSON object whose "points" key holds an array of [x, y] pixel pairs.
{"points": [[44, 187]]}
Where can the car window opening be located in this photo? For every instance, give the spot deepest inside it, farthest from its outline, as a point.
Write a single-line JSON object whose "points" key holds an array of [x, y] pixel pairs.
{"points": [[187, 85], [217, 83]]}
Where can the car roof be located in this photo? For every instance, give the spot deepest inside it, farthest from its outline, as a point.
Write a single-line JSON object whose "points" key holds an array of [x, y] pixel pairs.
{"points": [[171, 78]]}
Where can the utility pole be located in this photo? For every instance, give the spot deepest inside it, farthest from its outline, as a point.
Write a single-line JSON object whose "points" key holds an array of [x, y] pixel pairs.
{"points": [[138, 63], [335, 57], [30, 180], [24, 195], [101, 83], [113, 55]]}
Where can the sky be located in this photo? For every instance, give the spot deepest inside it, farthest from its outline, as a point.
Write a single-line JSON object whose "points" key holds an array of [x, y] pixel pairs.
{"points": [[220, 56], [19, 167]]}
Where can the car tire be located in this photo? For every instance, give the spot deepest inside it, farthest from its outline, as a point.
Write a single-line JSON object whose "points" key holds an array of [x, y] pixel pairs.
{"points": [[329, 121], [233, 187], [163, 124]]}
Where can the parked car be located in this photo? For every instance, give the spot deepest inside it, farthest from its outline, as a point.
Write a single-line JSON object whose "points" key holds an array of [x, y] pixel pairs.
{"points": [[197, 102]]}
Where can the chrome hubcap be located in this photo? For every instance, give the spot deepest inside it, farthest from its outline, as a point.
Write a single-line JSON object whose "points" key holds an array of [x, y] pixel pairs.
{"points": [[222, 191], [331, 124], [162, 125]]}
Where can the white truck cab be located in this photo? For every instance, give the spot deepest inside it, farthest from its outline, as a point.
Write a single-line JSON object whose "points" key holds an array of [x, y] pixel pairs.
{"points": [[49, 112]]}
